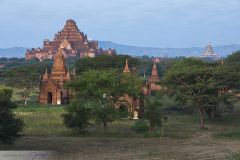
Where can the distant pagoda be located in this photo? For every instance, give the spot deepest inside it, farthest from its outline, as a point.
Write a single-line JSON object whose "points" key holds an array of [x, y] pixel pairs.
{"points": [[209, 52], [72, 41]]}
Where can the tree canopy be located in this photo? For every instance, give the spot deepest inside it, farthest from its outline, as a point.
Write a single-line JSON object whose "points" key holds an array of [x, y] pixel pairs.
{"points": [[195, 81]]}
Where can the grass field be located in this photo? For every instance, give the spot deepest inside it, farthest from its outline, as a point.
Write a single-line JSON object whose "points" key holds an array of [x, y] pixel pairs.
{"points": [[48, 121], [44, 130]]}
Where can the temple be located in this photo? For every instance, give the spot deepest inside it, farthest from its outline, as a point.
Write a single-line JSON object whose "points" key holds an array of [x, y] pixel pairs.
{"points": [[52, 89], [152, 84], [208, 52], [72, 41], [133, 105]]}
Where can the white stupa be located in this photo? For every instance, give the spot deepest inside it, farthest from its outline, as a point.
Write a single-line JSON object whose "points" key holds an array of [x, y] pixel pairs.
{"points": [[209, 52]]}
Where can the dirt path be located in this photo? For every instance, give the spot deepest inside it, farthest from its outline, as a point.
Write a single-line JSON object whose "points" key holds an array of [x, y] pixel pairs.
{"points": [[201, 146]]}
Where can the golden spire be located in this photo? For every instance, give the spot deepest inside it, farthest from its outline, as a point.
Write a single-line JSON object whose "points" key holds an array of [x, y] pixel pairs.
{"points": [[126, 69]]}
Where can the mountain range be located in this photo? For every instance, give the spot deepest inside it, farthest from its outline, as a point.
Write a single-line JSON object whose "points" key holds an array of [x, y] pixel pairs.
{"points": [[222, 50]]}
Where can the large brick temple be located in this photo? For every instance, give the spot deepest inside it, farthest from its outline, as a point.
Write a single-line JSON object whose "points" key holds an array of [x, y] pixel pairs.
{"points": [[52, 89], [72, 41]]}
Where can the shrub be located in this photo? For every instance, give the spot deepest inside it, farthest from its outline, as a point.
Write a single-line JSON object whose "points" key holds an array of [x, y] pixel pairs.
{"points": [[77, 117], [140, 127], [10, 126]]}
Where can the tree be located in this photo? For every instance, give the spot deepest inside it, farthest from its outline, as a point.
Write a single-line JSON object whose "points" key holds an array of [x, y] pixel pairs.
{"points": [[105, 113], [154, 114], [199, 83], [104, 62], [10, 126], [26, 78], [103, 87], [78, 116]]}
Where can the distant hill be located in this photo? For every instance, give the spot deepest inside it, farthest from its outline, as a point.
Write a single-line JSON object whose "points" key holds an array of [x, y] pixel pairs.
{"points": [[13, 52], [222, 51]]}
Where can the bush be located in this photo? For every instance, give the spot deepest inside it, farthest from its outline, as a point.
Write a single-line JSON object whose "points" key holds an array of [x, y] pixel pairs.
{"points": [[77, 117], [140, 127], [10, 126]]}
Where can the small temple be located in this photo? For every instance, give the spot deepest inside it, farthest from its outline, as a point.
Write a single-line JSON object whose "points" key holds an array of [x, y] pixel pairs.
{"points": [[135, 105], [72, 41], [132, 104], [52, 89], [153, 80], [209, 52]]}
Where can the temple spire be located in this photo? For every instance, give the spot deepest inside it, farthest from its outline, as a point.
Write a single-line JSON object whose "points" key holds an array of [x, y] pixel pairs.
{"points": [[126, 69], [154, 70], [59, 63]]}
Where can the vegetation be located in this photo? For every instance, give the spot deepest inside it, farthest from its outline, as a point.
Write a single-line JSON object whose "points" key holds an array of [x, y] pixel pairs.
{"points": [[153, 114], [103, 88], [205, 85], [10, 126], [140, 127], [105, 62], [26, 78], [77, 117], [195, 88]]}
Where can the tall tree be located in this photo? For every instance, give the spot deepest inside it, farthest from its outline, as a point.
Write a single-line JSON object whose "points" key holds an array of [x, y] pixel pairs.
{"points": [[10, 126], [103, 87], [197, 82], [26, 77], [78, 116]]}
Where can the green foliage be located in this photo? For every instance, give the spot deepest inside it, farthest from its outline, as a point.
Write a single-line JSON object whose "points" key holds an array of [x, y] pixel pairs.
{"points": [[140, 127], [10, 126], [199, 83], [233, 59], [105, 62], [122, 112], [153, 113], [102, 88], [94, 84], [229, 134], [26, 77], [77, 117], [234, 157], [105, 113]]}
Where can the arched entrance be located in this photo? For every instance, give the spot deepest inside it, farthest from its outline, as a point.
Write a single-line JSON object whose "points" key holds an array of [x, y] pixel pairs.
{"points": [[123, 111], [49, 98]]}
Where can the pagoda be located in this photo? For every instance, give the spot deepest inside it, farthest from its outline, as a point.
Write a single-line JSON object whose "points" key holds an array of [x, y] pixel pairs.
{"points": [[73, 43], [153, 80], [52, 89], [209, 52]]}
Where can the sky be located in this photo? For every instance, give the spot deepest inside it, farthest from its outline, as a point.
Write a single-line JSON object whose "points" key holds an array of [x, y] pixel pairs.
{"points": [[150, 23]]}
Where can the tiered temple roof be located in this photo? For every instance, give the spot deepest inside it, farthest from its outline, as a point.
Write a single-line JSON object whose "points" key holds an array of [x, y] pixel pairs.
{"points": [[72, 41]]}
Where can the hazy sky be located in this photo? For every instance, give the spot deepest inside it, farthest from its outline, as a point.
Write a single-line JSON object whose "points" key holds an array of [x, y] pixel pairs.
{"points": [[153, 23]]}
